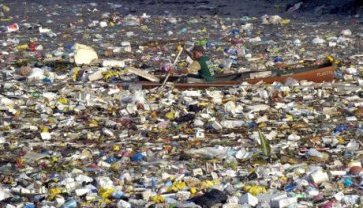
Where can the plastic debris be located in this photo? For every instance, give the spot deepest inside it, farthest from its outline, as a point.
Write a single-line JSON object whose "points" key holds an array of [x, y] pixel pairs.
{"points": [[84, 54], [78, 128]]}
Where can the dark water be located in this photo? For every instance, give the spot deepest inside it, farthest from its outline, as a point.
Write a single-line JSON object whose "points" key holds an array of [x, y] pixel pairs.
{"points": [[311, 9]]}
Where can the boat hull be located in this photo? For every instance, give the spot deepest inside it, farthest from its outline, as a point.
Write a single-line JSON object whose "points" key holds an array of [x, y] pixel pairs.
{"points": [[324, 74]]}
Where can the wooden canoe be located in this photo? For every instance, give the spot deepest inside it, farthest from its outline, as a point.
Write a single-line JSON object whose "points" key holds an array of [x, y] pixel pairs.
{"points": [[323, 73]]}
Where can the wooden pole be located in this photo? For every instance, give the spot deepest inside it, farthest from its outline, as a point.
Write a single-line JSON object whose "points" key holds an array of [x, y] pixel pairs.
{"points": [[168, 75]]}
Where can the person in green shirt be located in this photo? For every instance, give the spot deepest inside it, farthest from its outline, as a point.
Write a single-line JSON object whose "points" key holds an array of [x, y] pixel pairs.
{"points": [[201, 69]]}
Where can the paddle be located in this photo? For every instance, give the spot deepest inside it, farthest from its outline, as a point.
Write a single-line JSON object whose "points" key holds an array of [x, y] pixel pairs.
{"points": [[175, 61]]}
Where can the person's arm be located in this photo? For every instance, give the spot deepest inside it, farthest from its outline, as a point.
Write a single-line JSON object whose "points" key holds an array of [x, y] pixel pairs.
{"points": [[179, 72], [182, 71], [188, 52]]}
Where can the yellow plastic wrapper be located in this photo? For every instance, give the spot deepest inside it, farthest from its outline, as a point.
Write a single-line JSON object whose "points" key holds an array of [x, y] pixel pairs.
{"points": [[75, 73], [203, 104], [157, 199], [53, 192], [63, 101], [262, 125], [182, 64], [289, 118], [193, 191], [106, 193], [93, 123], [111, 73], [170, 115], [208, 183], [341, 140], [44, 129], [22, 47], [330, 59], [55, 159], [116, 148], [178, 186], [283, 179], [254, 189], [285, 22]]}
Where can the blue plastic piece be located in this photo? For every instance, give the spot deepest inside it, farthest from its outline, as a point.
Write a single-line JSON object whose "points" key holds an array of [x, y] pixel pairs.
{"points": [[290, 187], [347, 182], [70, 204], [340, 128], [137, 157], [235, 32], [168, 183], [111, 159], [278, 59], [29, 205], [117, 194], [252, 124], [47, 80]]}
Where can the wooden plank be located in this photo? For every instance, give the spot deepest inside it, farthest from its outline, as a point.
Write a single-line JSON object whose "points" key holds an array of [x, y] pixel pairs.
{"points": [[143, 74]]}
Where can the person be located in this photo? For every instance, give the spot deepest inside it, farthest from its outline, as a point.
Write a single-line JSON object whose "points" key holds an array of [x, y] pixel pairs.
{"points": [[200, 70]]}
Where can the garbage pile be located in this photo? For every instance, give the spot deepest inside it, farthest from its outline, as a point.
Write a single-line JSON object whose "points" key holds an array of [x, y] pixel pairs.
{"points": [[72, 136]]}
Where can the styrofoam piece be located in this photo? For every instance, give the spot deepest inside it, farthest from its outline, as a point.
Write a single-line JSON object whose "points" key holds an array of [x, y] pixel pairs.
{"points": [[319, 176], [249, 199]]}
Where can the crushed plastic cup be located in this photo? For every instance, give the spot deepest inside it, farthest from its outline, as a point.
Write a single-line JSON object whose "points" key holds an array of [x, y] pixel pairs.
{"points": [[12, 28]]}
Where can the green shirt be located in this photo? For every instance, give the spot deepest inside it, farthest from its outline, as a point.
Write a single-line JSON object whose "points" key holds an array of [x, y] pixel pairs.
{"points": [[206, 69]]}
